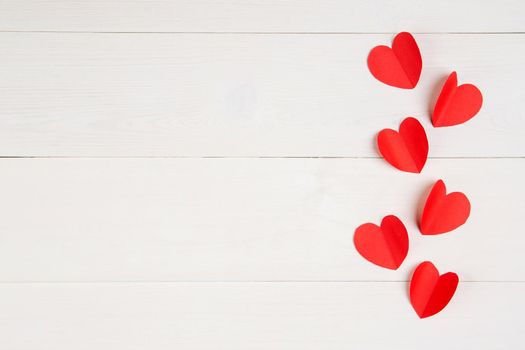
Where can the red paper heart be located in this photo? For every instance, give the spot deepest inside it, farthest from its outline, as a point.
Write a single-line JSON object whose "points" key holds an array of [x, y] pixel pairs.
{"points": [[430, 292], [407, 149], [386, 246], [456, 104], [399, 66], [443, 212]]}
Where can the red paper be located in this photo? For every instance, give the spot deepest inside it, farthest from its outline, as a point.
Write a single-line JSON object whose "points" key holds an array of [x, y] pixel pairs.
{"points": [[386, 246], [407, 149], [399, 66], [443, 212], [456, 104], [430, 292]]}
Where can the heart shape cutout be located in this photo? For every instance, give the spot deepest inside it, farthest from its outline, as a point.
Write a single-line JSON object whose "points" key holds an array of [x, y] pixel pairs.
{"points": [[429, 291], [407, 150], [399, 66], [456, 104], [443, 212], [385, 246]]}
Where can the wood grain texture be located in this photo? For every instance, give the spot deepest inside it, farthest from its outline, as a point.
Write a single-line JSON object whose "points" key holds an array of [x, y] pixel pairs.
{"points": [[125, 95], [246, 219], [255, 316], [262, 16]]}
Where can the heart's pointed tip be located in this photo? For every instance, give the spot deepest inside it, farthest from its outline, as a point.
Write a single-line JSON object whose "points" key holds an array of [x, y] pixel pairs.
{"points": [[414, 171], [416, 80], [419, 313], [394, 268], [399, 86], [381, 264], [436, 123], [429, 232], [423, 229]]}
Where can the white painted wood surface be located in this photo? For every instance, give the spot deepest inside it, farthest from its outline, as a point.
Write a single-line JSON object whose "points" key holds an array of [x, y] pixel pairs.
{"points": [[245, 219], [120, 230], [243, 95], [238, 316], [318, 16]]}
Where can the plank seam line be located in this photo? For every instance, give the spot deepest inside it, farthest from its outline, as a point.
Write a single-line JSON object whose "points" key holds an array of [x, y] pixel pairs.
{"points": [[235, 281], [241, 157], [253, 32]]}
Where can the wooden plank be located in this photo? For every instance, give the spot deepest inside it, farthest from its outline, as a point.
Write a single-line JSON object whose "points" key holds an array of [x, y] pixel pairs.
{"points": [[262, 16], [246, 219], [255, 316], [99, 95]]}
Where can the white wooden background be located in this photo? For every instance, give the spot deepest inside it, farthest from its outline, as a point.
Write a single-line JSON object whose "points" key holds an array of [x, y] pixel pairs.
{"points": [[188, 174]]}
